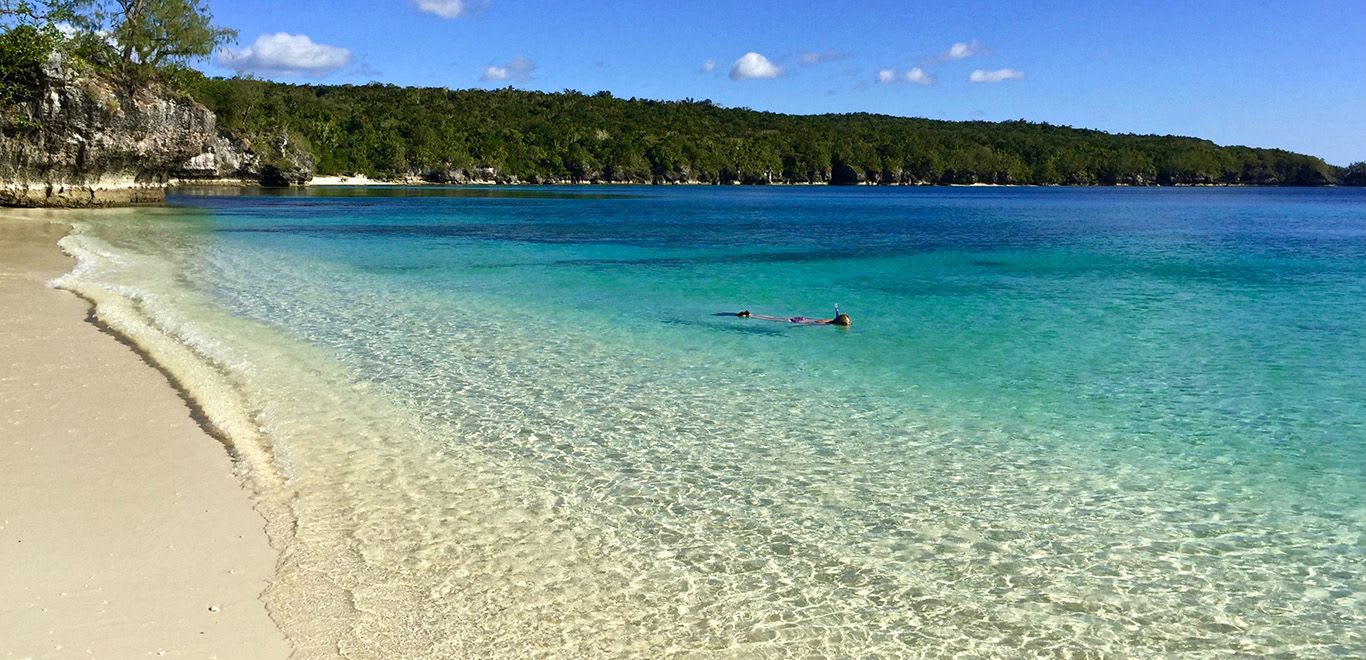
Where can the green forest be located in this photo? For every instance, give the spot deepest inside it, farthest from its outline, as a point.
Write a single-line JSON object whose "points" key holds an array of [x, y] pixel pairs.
{"points": [[442, 135], [511, 135]]}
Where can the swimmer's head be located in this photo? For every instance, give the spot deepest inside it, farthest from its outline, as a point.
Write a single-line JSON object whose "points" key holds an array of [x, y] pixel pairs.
{"points": [[743, 315], [842, 319]]}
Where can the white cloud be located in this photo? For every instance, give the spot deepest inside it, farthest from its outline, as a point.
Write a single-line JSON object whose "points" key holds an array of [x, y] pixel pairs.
{"points": [[518, 69], [980, 76], [915, 76], [918, 76], [285, 54], [708, 66], [753, 65], [961, 50], [442, 8]]}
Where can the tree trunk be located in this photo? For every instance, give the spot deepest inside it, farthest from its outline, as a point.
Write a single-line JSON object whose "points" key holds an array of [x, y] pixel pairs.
{"points": [[132, 17]]}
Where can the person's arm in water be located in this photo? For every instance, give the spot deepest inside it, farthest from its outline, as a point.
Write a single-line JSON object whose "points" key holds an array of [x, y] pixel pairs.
{"points": [[840, 319], [762, 317]]}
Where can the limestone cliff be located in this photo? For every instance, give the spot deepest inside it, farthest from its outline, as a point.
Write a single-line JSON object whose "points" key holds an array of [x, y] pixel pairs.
{"points": [[267, 161], [83, 140]]}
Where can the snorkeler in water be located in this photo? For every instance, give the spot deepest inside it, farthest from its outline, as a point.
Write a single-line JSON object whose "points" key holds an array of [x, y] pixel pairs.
{"points": [[839, 319]]}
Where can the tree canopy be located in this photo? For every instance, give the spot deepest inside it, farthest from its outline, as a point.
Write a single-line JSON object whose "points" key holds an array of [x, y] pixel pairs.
{"points": [[150, 33], [36, 12], [137, 37], [385, 130]]}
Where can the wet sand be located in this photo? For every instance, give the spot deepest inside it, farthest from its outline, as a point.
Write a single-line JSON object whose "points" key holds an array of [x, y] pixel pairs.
{"points": [[123, 532]]}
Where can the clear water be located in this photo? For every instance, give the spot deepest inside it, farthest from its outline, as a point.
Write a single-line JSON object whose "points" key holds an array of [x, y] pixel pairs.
{"points": [[517, 423]]}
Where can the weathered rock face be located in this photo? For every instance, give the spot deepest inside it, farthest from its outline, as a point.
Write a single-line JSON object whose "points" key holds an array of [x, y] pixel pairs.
{"points": [[461, 176], [276, 175], [275, 163], [845, 175], [87, 142], [447, 175], [222, 158]]}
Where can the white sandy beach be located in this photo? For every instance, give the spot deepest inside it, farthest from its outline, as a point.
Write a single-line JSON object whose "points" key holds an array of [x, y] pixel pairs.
{"points": [[123, 532]]}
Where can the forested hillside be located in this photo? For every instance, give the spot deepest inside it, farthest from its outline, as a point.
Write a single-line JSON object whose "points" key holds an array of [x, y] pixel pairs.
{"points": [[280, 133], [508, 134]]}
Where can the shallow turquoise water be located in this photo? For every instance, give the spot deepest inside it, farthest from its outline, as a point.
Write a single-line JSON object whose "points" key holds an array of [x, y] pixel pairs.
{"points": [[1105, 420]]}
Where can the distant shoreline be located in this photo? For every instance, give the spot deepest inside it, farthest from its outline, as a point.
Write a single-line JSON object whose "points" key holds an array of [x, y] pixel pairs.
{"points": [[151, 195], [363, 181]]}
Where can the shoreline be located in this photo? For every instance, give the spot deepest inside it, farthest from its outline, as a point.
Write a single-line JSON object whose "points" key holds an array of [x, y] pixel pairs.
{"points": [[124, 531], [142, 195], [361, 181]]}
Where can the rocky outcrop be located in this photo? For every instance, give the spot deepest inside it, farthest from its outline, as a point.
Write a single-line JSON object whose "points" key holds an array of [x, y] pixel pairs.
{"points": [[84, 141], [842, 174], [462, 176], [447, 175], [222, 158], [276, 162]]}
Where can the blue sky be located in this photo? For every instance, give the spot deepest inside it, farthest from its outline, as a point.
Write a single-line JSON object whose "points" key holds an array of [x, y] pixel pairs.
{"points": [[1269, 74]]}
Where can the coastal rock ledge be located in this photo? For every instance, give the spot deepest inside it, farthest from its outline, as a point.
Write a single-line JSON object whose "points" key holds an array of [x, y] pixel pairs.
{"points": [[83, 140]]}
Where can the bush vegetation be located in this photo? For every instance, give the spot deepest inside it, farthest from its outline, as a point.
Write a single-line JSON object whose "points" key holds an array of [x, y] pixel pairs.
{"points": [[384, 130]]}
